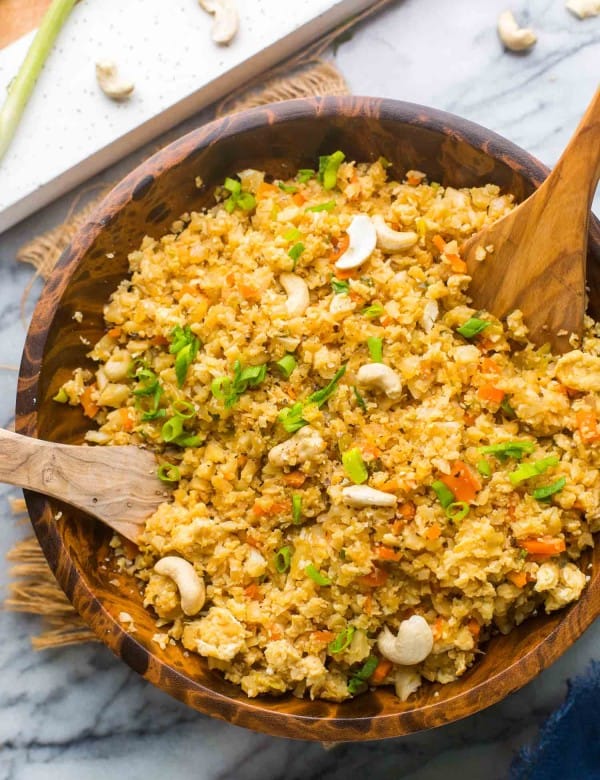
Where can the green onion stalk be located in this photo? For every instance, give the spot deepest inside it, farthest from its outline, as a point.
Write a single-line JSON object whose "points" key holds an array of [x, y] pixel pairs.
{"points": [[22, 85]]}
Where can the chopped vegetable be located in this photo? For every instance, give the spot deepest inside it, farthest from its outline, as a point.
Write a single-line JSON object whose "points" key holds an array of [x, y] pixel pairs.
{"points": [[287, 187], [286, 365], [586, 421], [339, 286], [462, 482], [507, 409], [293, 234], [359, 399], [90, 408], [342, 640], [373, 311], [184, 345], [320, 396], [167, 472], [294, 479], [316, 576], [296, 509], [543, 493], [291, 417], [484, 468], [183, 409], [529, 470], [518, 578], [383, 668], [229, 390], [238, 198], [457, 511], [491, 393], [387, 553], [509, 449], [283, 557], [375, 578], [375, 346], [304, 174], [544, 546], [354, 466], [295, 252], [328, 169], [472, 327], [444, 494], [172, 429], [61, 397], [358, 681], [329, 205]]}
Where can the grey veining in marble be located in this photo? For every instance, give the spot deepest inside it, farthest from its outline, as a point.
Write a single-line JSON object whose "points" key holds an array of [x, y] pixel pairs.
{"points": [[78, 712]]}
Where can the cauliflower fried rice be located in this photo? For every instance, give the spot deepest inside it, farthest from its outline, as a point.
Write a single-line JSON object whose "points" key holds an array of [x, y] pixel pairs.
{"points": [[370, 476]]}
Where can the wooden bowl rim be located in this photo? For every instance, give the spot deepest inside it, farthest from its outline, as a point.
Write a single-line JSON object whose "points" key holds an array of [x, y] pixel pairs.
{"points": [[250, 712]]}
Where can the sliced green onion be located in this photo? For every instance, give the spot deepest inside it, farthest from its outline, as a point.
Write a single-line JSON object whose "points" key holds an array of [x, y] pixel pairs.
{"points": [[507, 409], [457, 510], [509, 449], [167, 472], [293, 234], [246, 201], [287, 187], [296, 508], [443, 492], [304, 174], [291, 418], [328, 169], [286, 365], [320, 396], [61, 397], [238, 198], [359, 399], [229, 390], [342, 640], [172, 429], [358, 681], [375, 346], [155, 411], [184, 409], [220, 387], [233, 186], [316, 576], [147, 382], [484, 468], [188, 441], [354, 466], [184, 345], [526, 471], [373, 311], [543, 493], [384, 162], [339, 286], [295, 252], [282, 559], [329, 205], [472, 327]]}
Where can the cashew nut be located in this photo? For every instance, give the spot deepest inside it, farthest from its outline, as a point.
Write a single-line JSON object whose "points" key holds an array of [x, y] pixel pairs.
{"points": [[512, 36], [363, 495], [297, 292], [226, 21], [302, 446], [191, 587], [380, 377], [108, 79], [410, 646], [430, 314], [406, 682], [363, 239], [584, 8], [392, 240]]}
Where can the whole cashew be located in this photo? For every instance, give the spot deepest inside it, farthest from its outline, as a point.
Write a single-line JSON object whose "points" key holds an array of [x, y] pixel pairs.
{"points": [[191, 587], [109, 82], [411, 645], [302, 446], [584, 8], [380, 377], [512, 36], [392, 240], [363, 239], [226, 23], [363, 495], [297, 292]]}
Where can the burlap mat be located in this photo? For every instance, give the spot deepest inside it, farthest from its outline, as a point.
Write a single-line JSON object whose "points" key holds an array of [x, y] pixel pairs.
{"points": [[33, 588]]}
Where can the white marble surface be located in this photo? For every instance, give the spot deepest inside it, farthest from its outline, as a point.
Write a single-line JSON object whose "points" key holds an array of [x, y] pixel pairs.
{"points": [[80, 713]]}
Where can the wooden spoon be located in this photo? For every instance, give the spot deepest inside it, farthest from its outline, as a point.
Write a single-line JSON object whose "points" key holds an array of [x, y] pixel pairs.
{"points": [[118, 485], [539, 256]]}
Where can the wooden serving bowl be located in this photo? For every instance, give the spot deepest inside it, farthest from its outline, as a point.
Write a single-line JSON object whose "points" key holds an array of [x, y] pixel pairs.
{"points": [[278, 139]]}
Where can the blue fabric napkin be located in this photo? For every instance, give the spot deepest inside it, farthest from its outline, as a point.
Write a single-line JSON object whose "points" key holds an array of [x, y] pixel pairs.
{"points": [[568, 746]]}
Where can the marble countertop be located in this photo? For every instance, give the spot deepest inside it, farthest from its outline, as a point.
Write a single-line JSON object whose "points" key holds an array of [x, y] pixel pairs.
{"points": [[79, 712]]}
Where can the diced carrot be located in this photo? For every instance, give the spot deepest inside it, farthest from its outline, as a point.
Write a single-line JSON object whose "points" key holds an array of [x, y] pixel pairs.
{"points": [[375, 578], [351, 273], [462, 482], [342, 243], [248, 291], [230, 279], [474, 627], [275, 632], [298, 199], [368, 606], [265, 189], [383, 668], [518, 578], [457, 264], [469, 418], [262, 507], [294, 479], [387, 553], [385, 320], [356, 297], [90, 409], [390, 486], [371, 449], [433, 532], [490, 366], [322, 636], [291, 391], [439, 243], [252, 591], [587, 425], [414, 180], [546, 546], [129, 548], [438, 627], [407, 510], [126, 419], [491, 393], [114, 333]]}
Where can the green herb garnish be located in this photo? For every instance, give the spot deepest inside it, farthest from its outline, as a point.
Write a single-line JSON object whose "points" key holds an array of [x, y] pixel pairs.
{"points": [[291, 417], [183, 409], [373, 311], [457, 510], [354, 466], [286, 365], [167, 472], [359, 399], [304, 174], [484, 468], [295, 252], [184, 345], [342, 640], [509, 449], [526, 471], [282, 559], [316, 576], [472, 327], [358, 681], [229, 390], [339, 286], [61, 397], [443, 492], [293, 234], [375, 346], [296, 508], [328, 169], [287, 187], [507, 409], [329, 205], [238, 198], [543, 493]]}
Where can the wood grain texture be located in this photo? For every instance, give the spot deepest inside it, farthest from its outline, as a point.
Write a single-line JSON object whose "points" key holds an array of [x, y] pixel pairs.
{"points": [[278, 139], [117, 485], [539, 260], [18, 17]]}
